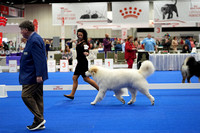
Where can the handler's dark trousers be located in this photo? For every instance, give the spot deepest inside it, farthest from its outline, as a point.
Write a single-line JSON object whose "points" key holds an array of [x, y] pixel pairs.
{"points": [[32, 96]]}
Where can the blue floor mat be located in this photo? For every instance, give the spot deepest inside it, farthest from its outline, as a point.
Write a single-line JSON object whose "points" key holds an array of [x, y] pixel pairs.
{"points": [[175, 111], [65, 78]]}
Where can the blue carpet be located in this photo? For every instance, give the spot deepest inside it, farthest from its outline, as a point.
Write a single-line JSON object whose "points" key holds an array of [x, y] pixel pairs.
{"points": [[175, 111], [59, 78]]}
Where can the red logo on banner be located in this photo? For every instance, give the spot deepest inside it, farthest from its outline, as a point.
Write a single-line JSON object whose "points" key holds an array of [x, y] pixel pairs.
{"points": [[35, 23], [4, 9], [3, 21], [130, 12]]}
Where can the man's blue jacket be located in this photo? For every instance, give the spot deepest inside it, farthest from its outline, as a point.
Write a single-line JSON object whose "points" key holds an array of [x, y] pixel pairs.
{"points": [[33, 61]]}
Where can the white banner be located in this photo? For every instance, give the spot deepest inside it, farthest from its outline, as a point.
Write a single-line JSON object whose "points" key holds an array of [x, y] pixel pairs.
{"points": [[64, 67], [12, 65], [176, 11], [109, 63], [130, 12], [51, 65], [79, 13]]}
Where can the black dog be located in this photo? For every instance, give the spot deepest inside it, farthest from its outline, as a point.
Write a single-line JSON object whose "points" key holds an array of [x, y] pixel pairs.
{"points": [[190, 68], [169, 9]]}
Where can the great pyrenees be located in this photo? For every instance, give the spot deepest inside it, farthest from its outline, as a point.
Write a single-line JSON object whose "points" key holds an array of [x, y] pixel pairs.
{"points": [[116, 79]]}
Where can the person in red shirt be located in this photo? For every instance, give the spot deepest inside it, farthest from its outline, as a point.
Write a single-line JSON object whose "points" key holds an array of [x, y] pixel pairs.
{"points": [[130, 51]]}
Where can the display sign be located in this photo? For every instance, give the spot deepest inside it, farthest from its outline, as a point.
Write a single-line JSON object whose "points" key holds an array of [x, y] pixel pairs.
{"points": [[109, 63], [98, 62], [51, 65], [64, 66], [12, 65], [157, 31]]}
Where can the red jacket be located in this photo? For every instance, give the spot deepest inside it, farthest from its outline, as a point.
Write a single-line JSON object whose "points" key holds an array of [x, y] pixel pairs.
{"points": [[129, 53]]}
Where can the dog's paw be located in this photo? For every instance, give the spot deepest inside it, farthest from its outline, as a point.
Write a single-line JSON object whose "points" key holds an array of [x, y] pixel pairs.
{"points": [[130, 102], [123, 101], [92, 103], [152, 103]]}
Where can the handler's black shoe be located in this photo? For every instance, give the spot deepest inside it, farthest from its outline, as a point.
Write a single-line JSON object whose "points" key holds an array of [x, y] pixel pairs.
{"points": [[37, 125]]}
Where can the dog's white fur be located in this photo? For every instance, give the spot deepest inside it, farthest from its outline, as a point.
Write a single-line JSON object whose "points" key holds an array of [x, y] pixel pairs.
{"points": [[115, 79]]}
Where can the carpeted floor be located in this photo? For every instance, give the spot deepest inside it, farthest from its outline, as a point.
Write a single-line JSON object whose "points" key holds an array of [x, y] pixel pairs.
{"points": [[59, 78], [175, 111]]}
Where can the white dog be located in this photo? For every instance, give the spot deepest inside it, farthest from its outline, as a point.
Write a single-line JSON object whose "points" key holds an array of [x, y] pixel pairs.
{"points": [[115, 79]]}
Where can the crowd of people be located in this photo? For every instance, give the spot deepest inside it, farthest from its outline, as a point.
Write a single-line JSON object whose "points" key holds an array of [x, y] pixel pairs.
{"points": [[149, 44], [129, 46]]}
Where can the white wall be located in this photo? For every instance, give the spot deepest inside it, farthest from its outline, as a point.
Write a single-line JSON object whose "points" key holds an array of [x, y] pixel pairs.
{"points": [[43, 13]]}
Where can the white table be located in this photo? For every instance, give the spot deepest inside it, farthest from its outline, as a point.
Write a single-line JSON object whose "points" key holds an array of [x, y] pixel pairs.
{"points": [[167, 62]]}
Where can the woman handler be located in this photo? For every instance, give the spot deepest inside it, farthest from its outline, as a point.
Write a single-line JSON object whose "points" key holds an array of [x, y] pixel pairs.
{"points": [[82, 50]]}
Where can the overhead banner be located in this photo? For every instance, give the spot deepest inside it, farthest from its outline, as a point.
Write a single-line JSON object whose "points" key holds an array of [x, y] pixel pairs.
{"points": [[130, 12], [80, 13], [176, 11], [11, 11]]}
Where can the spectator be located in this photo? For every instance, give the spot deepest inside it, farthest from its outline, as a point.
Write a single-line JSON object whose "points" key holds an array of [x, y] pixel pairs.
{"points": [[91, 43], [192, 42], [186, 49], [118, 47], [166, 42], [47, 43], [158, 42], [182, 41], [107, 44], [5, 46], [130, 51], [149, 44], [1, 46], [11, 44], [67, 54], [136, 43], [123, 45], [187, 41], [23, 44], [97, 43], [174, 43]]}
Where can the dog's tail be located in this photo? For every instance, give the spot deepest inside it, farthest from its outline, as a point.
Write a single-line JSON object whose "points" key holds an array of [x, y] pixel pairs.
{"points": [[175, 2], [188, 62], [147, 68]]}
